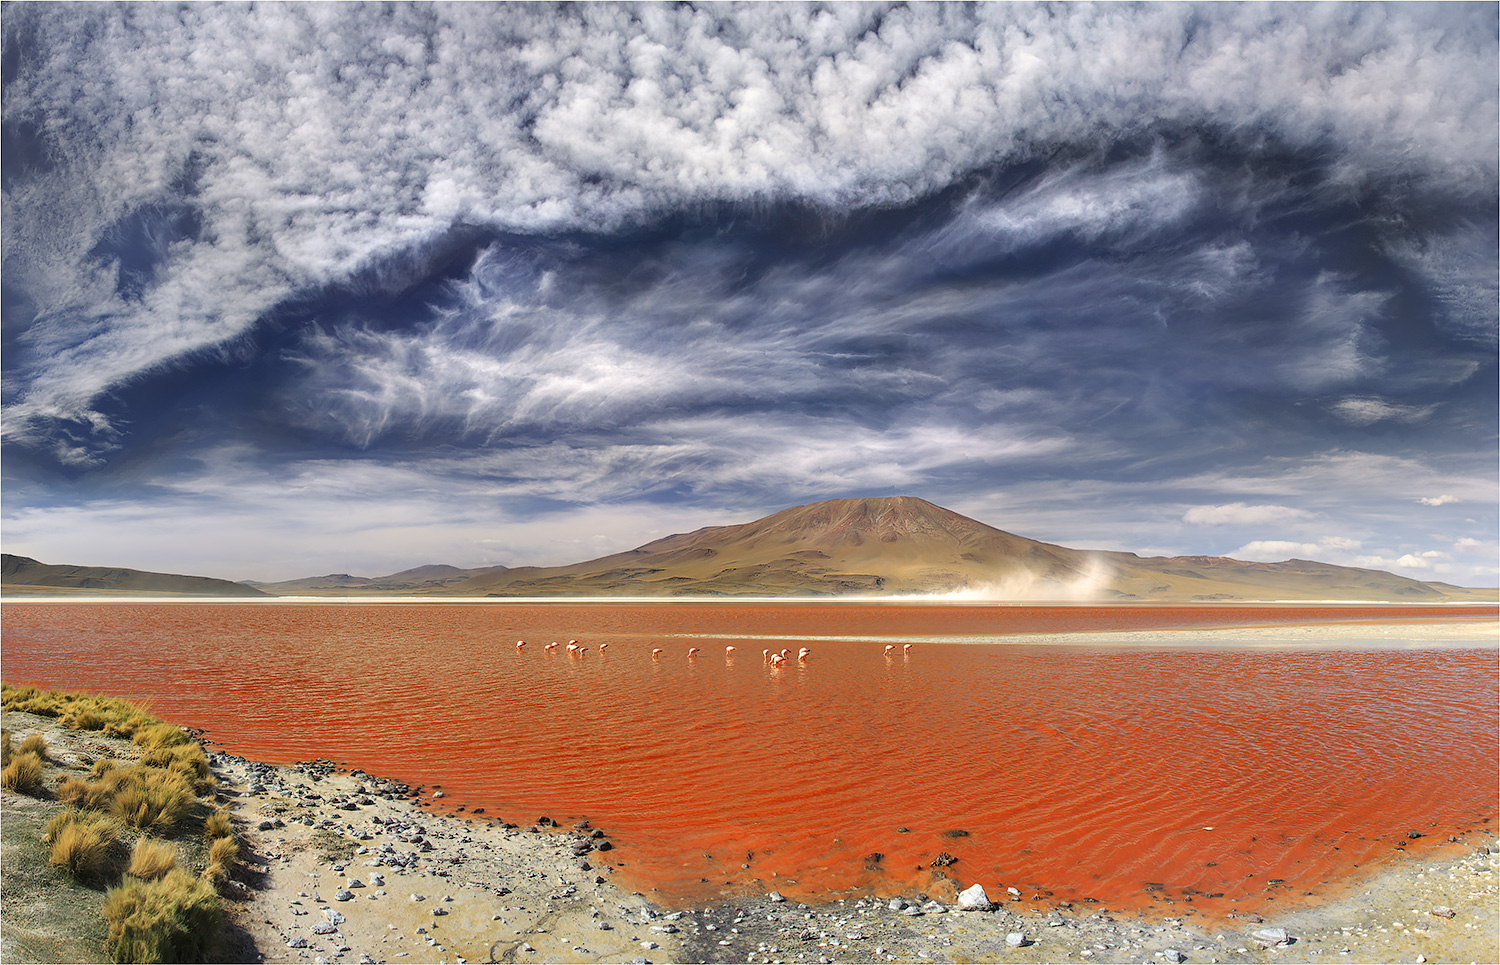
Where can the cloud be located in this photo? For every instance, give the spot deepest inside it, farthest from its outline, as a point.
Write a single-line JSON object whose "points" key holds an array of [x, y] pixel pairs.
{"points": [[311, 149], [1272, 550], [1363, 412], [1442, 500], [1241, 514]]}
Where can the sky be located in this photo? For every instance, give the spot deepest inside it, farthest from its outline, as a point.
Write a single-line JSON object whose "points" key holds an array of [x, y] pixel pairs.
{"points": [[299, 289]]}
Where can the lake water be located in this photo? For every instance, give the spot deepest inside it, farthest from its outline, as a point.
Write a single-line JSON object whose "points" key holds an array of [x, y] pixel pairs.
{"points": [[1184, 777]]}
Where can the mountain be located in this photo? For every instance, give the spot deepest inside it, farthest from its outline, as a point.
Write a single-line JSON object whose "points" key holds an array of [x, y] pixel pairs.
{"points": [[420, 579], [23, 576], [888, 546], [904, 545]]}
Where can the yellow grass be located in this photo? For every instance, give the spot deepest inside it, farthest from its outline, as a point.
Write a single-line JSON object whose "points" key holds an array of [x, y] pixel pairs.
{"points": [[146, 798], [152, 859], [23, 774], [173, 919], [86, 846], [218, 825], [35, 744]]}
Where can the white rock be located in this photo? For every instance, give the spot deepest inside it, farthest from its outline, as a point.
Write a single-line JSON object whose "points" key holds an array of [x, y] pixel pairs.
{"points": [[973, 898], [1015, 939], [1272, 936]]}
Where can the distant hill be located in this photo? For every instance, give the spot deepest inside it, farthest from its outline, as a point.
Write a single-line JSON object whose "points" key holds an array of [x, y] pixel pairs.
{"points": [[887, 546], [23, 576], [421, 579], [904, 545]]}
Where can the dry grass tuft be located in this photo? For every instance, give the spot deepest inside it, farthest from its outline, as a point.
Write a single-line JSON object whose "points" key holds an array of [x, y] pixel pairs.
{"points": [[222, 853], [173, 919], [6, 747], [86, 846], [146, 798], [186, 760], [152, 859], [35, 744], [23, 774], [218, 825], [160, 735]]}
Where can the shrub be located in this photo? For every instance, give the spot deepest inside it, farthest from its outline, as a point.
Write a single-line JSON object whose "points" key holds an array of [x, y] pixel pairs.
{"points": [[152, 859], [173, 919], [86, 846], [221, 854], [146, 798], [185, 760], [35, 744], [150, 799], [23, 774], [160, 734], [218, 825]]}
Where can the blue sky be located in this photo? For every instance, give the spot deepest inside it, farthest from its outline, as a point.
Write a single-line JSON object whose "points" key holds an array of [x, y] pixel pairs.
{"points": [[310, 288]]}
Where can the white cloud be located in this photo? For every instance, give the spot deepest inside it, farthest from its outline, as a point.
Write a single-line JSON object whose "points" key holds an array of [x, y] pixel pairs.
{"points": [[1363, 412], [1241, 514], [322, 142], [1442, 500]]}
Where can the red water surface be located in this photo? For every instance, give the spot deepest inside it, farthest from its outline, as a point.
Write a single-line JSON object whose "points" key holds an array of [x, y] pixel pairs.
{"points": [[1191, 777]]}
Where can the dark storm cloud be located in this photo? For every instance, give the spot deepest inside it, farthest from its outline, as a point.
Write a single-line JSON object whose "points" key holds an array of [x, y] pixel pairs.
{"points": [[744, 255]]}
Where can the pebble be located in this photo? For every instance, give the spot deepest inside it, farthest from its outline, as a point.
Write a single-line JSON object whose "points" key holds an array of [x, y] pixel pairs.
{"points": [[324, 928], [775, 896], [297, 942], [1174, 956], [1272, 936], [343, 894], [1016, 940]]}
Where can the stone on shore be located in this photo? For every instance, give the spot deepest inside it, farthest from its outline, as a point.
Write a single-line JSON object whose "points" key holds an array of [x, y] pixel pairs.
{"points": [[974, 898]]}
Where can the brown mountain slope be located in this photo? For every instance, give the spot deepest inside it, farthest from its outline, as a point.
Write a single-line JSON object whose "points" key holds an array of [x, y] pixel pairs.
{"points": [[419, 579], [905, 545], [24, 576]]}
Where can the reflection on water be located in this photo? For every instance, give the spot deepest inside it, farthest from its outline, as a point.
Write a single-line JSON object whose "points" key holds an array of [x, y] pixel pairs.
{"points": [[1229, 778]]}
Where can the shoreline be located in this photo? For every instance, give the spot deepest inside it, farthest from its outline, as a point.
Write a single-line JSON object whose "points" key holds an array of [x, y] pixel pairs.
{"points": [[343, 866]]}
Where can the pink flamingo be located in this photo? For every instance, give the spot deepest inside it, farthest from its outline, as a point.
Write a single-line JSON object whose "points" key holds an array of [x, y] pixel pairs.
{"points": [[777, 660], [729, 650], [803, 653], [785, 654], [551, 646], [906, 649], [603, 647], [656, 652], [888, 648], [692, 651], [765, 655], [520, 645]]}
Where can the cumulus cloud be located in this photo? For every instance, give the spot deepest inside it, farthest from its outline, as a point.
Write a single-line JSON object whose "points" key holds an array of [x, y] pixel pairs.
{"points": [[1274, 550], [1442, 500], [313, 144], [1241, 514]]}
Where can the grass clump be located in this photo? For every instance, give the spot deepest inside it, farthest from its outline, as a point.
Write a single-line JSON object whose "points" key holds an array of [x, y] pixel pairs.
{"points": [[146, 798], [218, 825], [6, 747], [186, 760], [35, 744], [87, 846], [222, 853], [172, 919], [152, 859], [23, 774]]}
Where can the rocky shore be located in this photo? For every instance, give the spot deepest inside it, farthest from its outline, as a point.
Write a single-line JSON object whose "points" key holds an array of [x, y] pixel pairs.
{"points": [[343, 866]]}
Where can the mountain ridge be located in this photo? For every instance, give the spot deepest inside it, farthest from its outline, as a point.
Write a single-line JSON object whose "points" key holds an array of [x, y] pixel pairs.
{"points": [[888, 546]]}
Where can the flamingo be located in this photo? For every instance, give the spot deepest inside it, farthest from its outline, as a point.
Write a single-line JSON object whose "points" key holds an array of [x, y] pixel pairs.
{"points": [[802, 654], [785, 654], [692, 651], [765, 655], [729, 650], [520, 645], [572, 647], [888, 648], [582, 650], [603, 647], [551, 646], [906, 649], [656, 652], [777, 660]]}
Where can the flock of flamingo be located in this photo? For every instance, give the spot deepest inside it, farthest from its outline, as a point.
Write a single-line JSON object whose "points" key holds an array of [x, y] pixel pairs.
{"points": [[775, 659]]}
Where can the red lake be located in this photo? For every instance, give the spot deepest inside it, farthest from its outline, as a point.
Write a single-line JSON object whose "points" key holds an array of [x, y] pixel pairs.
{"points": [[1189, 775]]}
